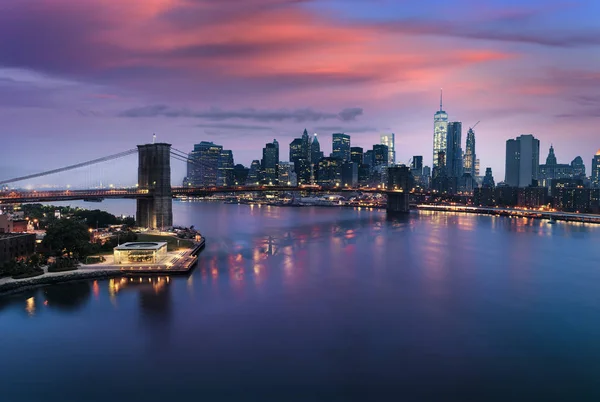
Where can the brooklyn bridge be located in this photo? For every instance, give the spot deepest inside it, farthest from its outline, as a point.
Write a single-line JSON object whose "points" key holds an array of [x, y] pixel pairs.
{"points": [[154, 193]]}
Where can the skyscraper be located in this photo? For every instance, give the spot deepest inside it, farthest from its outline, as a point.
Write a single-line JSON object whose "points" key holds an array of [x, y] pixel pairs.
{"points": [[440, 130], [356, 155], [270, 163], [522, 161], [488, 180], [305, 145], [300, 155], [341, 146], [389, 140], [315, 150], [469, 156], [380, 155], [578, 167], [203, 168], [417, 165], [454, 164], [254, 175], [596, 170], [225, 176]]}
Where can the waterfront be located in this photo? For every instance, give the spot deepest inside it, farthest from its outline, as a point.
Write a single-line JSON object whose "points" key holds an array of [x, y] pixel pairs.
{"points": [[324, 304]]}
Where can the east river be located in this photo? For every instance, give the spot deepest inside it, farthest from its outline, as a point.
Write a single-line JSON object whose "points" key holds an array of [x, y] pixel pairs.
{"points": [[324, 304]]}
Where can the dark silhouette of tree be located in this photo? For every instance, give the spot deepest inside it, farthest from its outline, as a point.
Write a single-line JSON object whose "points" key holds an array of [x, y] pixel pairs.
{"points": [[68, 236]]}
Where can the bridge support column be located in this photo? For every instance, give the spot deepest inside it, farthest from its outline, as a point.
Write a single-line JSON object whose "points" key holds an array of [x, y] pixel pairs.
{"points": [[154, 175], [398, 202], [399, 185]]}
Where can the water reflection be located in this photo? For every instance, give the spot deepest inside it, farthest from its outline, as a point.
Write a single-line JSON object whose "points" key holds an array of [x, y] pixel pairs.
{"points": [[70, 296]]}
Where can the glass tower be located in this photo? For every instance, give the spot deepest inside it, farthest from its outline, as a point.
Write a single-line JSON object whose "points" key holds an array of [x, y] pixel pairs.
{"points": [[470, 157], [389, 141], [440, 132]]}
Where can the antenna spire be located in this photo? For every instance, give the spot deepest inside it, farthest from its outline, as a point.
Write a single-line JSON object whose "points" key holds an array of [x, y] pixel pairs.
{"points": [[441, 97], [153, 138]]}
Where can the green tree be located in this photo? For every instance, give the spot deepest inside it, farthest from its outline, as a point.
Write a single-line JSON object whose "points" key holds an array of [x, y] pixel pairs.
{"points": [[68, 236]]}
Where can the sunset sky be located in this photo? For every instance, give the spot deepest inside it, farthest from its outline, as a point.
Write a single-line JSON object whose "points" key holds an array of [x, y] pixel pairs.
{"points": [[83, 79]]}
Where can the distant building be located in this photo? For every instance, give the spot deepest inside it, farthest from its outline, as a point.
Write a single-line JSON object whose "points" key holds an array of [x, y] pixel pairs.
{"points": [[488, 179], [522, 161], [226, 176], [300, 156], [552, 170], [369, 158], [389, 140], [270, 163], [341, 146], [439, 177], [440, 133], [254, 174], [454, 162], [315, 150], [380, 155], [329, 173], [356, 155], [349, 174], [426, 177], [287, 175], [596, 170], [8, 224], [203, 168], [416, 169], [240, 174], [469, 158]]}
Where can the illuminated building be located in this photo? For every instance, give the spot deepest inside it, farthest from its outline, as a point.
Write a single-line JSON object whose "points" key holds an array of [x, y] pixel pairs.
{"points": [[356, 155], [203, 170], [469, 156], [270, 163], [329, 173], [440, 133], [138, 252], [389, 141], [226, 176], [596, 170], [341, 146]]}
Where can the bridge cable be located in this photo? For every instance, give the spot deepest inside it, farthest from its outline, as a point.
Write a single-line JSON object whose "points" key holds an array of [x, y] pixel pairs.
{"points": [[71, 167]]}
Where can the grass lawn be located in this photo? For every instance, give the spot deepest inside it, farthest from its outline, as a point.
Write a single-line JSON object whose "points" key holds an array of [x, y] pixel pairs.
{"points": [[171, 241]]}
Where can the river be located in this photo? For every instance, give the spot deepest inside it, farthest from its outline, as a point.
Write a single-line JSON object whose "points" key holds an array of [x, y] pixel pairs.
{"points": [[329, 304]]}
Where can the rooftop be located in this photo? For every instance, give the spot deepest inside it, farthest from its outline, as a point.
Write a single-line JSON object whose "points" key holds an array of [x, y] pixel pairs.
{"points": [[142, 245]]}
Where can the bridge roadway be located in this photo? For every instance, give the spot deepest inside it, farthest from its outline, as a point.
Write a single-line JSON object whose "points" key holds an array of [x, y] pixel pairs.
{"points": [[17, 197]]}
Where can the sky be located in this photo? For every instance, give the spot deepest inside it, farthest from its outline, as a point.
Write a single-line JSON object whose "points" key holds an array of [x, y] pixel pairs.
{"points": [[85, 79]]}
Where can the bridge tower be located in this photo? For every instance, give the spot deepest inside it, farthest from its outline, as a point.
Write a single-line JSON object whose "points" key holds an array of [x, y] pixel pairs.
{"points": [[154, 175], [399, 185]]}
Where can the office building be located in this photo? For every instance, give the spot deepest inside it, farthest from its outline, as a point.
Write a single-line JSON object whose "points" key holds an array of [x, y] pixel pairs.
{"points": [[488, 179], [369, 158], [300, 156], [329, 173], [341, 146], [389, 141], [287, 174], [349, 174], [454, 163], [356, 155], [578, 167], [380, 155], [240, 174], [596, 170], [254, 174], [203, 167], [522, 161], [225, 174], [552, 170], [315, 150], [270, 163], [440, 133], [469, 156]]}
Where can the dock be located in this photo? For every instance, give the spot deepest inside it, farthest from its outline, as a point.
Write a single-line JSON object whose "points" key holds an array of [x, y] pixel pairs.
{"points": [[181, 263]]}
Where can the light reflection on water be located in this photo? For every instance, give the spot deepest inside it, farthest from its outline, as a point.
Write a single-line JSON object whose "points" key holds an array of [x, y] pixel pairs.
{"points": [[326, 304]]}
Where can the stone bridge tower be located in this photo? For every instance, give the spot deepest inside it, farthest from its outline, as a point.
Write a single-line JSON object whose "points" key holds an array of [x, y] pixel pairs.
{"points": [[154, 175]]}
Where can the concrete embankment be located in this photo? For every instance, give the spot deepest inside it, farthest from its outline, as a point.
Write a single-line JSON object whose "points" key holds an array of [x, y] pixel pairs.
{"points": [[10, 286]]}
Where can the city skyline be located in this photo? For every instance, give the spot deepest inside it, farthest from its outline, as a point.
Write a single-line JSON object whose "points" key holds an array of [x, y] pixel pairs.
{"points": [[120, 76]]}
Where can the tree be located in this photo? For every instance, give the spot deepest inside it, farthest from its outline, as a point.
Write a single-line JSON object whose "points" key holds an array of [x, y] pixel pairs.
{"points": [[68, 236]]}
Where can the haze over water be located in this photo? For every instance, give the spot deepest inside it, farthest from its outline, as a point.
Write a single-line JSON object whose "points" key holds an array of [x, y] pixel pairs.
{"points": [[324, 304]]}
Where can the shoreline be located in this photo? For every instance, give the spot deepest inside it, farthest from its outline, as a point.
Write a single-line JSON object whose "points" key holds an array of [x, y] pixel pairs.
{"points": [[21, 285]]}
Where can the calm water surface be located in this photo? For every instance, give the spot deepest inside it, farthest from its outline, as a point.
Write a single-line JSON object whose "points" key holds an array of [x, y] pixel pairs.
{"points": [[324, 304]]}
